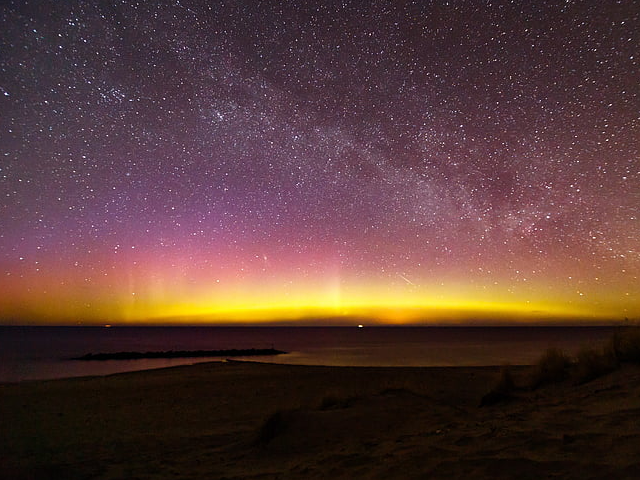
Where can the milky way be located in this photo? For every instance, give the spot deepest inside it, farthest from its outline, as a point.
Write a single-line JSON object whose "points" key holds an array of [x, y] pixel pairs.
{"points": [[247, 160]]}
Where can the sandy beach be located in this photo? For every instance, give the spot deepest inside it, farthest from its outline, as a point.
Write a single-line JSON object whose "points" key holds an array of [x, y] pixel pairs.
{"points": [[243, 420]]}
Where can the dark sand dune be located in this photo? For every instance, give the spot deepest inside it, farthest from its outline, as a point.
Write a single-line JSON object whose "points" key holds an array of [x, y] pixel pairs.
{"points": [[246, 420]]}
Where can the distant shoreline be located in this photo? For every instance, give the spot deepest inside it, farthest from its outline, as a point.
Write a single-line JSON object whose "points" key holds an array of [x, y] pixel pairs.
{"points": [[180, 354], [41, 353]]}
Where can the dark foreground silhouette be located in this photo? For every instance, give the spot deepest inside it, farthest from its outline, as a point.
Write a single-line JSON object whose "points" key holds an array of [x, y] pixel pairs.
{"points": [[256, 420], [181, 354]]}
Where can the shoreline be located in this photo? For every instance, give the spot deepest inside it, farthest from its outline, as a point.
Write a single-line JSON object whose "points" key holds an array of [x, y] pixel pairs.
{"points": [[43, 354], [197, 362]]}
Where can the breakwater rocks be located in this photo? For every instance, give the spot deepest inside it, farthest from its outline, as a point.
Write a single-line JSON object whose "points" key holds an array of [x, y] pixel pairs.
{"points": [[249, 352]]}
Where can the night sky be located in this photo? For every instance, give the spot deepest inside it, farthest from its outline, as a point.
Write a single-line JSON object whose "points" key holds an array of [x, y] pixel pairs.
{"points": [[254, 160]]}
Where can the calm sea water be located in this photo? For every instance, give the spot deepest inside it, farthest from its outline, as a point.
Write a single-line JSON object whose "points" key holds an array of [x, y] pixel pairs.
{"points": [[28, 353]]}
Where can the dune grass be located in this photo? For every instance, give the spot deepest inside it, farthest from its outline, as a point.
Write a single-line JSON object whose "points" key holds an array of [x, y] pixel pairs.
{"points": [[503, 388], [553, 366], [589, 362], [592, 363], [274, 425], [556, 365], [626, 344]]}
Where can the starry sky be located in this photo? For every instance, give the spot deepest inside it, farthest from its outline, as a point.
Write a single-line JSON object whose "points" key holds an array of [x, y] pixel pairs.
{"points": [[399, 161]]}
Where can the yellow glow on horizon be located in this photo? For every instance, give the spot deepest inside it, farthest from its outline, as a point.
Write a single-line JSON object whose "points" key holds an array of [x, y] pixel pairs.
{"points": [[391, 313], [382, 306], [163, 299]]}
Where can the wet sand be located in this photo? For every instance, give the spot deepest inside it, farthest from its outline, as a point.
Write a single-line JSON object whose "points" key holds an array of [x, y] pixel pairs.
{"points": [[239, 420]]}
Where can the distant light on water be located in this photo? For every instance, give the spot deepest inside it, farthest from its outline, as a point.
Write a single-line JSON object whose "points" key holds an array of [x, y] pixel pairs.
{"points": [[29, 353]]}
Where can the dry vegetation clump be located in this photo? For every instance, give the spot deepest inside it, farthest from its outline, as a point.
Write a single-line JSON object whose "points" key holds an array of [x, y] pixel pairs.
{"points": [[626, 344], [273, 426], [553, 366], [502, 390], [624, 347], [589, 363], [592, 363]]}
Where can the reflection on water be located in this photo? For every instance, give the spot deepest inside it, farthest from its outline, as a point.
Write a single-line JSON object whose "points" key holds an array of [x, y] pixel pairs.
{"points": [[44, 352]]}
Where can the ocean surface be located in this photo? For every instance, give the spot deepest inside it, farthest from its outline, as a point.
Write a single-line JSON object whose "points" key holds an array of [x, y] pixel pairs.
{"points": [[30, 353]]}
